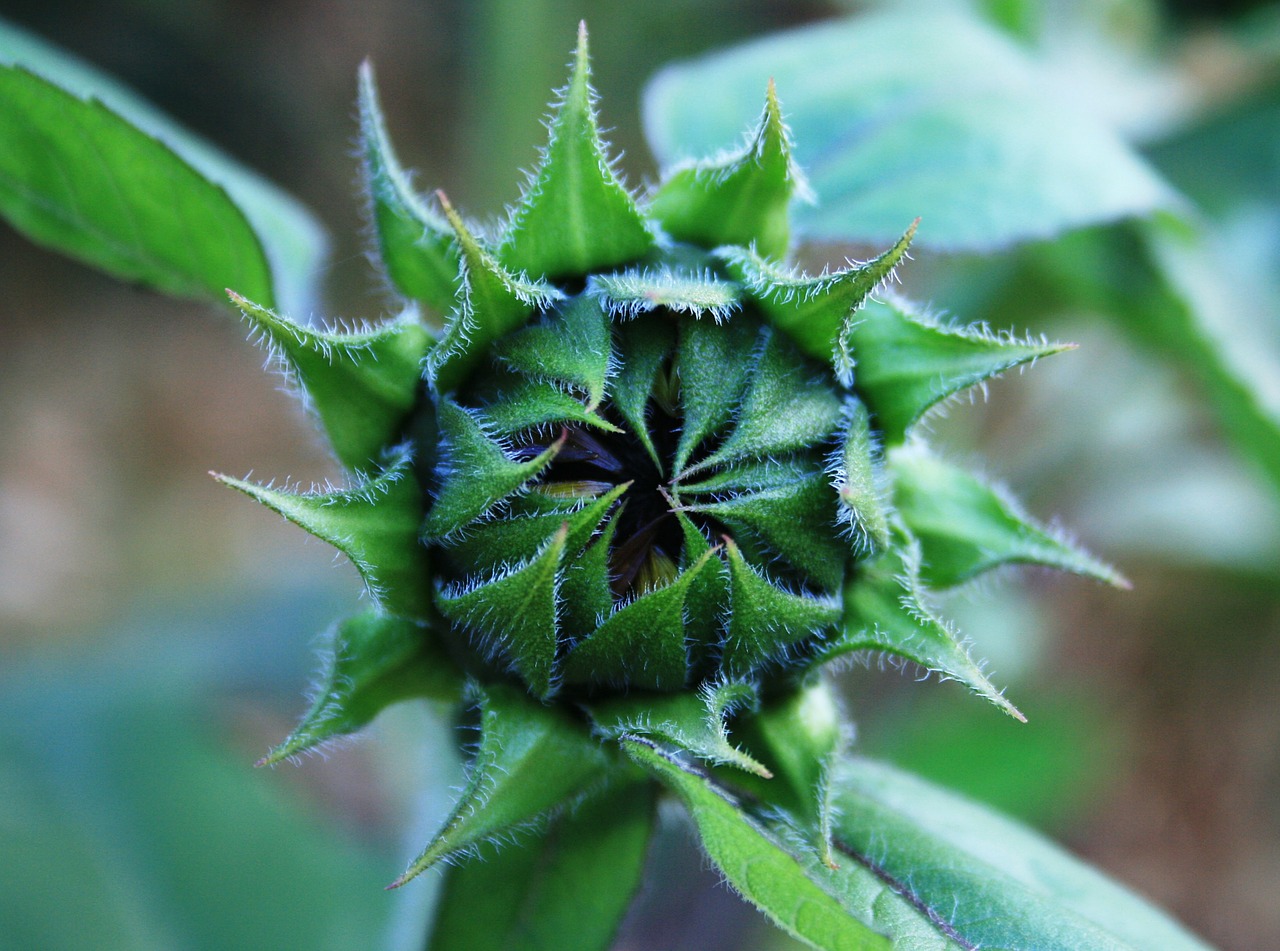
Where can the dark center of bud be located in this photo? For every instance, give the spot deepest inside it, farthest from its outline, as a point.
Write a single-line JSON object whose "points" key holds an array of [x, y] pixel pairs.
{"points": [[590, 462]]}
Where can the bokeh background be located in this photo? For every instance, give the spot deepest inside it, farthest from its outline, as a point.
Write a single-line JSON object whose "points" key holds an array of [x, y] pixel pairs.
{"points": [[156, 631]]}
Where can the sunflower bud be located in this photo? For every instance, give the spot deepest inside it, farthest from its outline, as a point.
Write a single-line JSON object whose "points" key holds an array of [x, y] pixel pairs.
{"points": [[631, 463]]}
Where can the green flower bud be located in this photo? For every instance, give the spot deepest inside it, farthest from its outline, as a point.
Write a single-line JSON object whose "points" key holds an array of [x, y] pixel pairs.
{"points": [[630, 464]]}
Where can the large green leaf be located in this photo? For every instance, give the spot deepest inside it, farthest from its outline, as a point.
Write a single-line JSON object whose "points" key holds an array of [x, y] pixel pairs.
{"points": [[126, 824], [904, 114], [846, 909], [90, 169], [565, 889], [984, 880]]}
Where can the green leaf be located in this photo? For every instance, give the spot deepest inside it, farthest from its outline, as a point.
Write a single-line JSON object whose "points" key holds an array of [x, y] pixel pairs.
{"points": [[692, 722], [642, 643], [513, 615], [566, 888], [575, 216], [492, 302], [885, 610], [585, 590], [793, 520], [905, 113], [858, 476], [646, 344], [478, 473], [1217, 327], [797, 735], [416, 245], [766, 620], [514, 538], [907, 363], [708, 598], [742, 198], [92, 170], [823, 908], [374, 523], [634, 292], [518, 405], [714, 363], [782, 409], [816, 312], [128, 815], [361, 384], [985, 880], [966, 527], [77, 177], [373, 661], [532, 761], [572, 348]]}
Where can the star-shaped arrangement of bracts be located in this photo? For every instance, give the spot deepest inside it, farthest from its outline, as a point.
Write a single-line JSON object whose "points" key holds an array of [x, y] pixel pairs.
{"points": [[622, 481]]}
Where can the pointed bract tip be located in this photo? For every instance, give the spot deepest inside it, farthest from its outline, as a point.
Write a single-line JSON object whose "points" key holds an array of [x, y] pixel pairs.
{"points": [[237, 299], [396, 884]]}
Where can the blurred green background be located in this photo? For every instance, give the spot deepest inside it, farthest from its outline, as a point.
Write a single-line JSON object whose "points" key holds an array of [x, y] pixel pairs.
{"points": [[156, 631]]}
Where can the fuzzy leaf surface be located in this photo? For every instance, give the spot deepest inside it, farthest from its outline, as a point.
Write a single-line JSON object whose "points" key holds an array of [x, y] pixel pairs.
{"points": [[532, 761], [885, 610], [692, 722], [845, 909], [715, 365], [575, 216], [963, 131], [816, 312], [374, 660], [494, 475], [565, 888], [784, 518], [797, 737], [492, 301], [362, 384], [742, 199], [646, 344], [633, 292], [416, 245], [986, 881], [966, 527], [514, 614], [766, 620], [374, 523], [906, 363], [573, 350], [642, 643], [858, 483], [782, 409], [93, 171]]}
